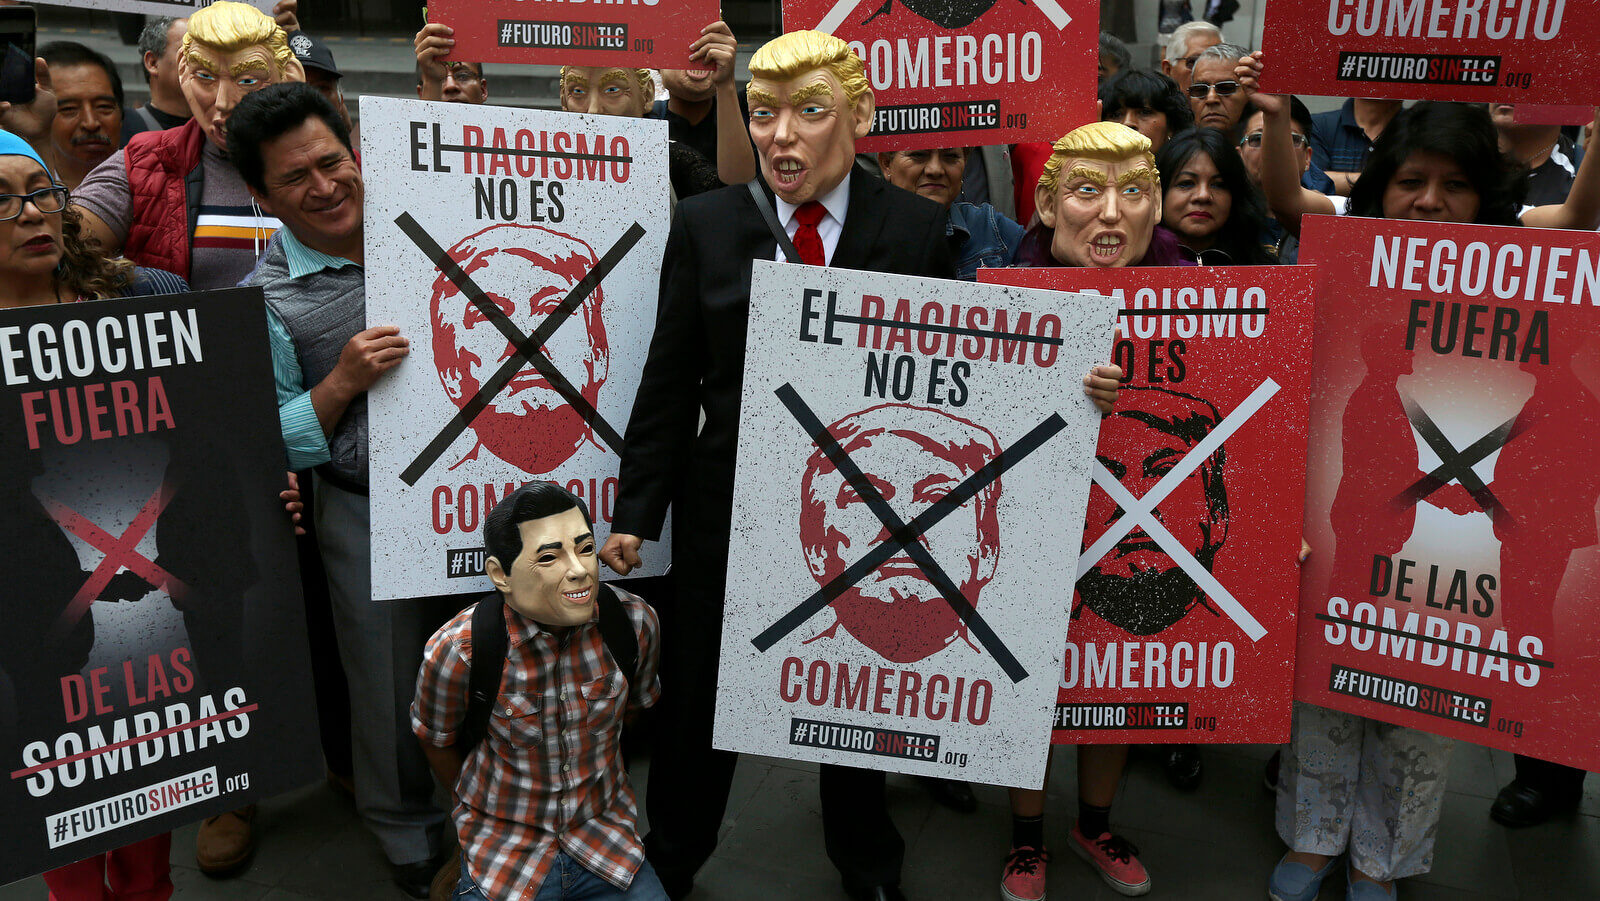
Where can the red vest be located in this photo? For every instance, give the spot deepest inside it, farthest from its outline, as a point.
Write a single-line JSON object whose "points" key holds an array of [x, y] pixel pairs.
{"points": [[159, 165]]}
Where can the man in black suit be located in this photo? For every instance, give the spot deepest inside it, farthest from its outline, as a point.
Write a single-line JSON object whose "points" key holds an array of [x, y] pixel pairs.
{"points": [[809, 102]]}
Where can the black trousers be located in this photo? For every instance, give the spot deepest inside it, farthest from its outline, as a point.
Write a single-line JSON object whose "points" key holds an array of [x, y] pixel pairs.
{"points": [[689, 781], [1556, 779], [327, 673]]}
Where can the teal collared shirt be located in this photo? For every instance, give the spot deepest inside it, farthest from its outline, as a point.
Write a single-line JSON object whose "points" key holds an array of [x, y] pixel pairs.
{"points": [[303, 261], [303, 437]]}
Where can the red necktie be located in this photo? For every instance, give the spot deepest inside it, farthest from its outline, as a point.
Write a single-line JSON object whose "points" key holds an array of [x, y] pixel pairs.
{"points": [[806, 238]]}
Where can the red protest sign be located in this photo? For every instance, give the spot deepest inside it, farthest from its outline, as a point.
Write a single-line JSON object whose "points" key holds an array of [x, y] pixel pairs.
{"points": [[953, 73], [649, 35], [1512, 51], [1183, 622], [1537, 114], [1452, 482]]}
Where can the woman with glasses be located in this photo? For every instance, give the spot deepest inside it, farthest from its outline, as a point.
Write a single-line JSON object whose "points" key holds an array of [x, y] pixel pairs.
{"points": [[46, 255], [1285, 245], [1209, 202], [45, 258], [1350, 785]]}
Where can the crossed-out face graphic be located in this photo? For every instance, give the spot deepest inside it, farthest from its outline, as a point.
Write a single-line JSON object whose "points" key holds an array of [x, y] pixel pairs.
{"points": [[1136, 585], [913, 456], [943, 13], [526, 270]]}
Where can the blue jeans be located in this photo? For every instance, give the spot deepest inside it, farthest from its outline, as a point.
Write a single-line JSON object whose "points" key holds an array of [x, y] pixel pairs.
{"points": [[569, 881]]}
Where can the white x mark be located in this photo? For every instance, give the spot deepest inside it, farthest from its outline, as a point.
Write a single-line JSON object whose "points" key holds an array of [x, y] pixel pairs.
{"points": [[835, 17], [1140, 512]]}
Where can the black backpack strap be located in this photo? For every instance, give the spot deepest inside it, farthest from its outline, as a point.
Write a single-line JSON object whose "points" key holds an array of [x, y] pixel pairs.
{"points": [[616, 630], [771, 217], [489, 645]]}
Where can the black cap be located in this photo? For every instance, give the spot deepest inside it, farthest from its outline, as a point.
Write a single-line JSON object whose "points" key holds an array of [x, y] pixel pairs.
{"points": [[313, 54]]}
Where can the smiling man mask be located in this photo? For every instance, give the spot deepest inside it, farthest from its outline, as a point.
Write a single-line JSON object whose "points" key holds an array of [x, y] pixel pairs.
{"points": [[541, 548]]}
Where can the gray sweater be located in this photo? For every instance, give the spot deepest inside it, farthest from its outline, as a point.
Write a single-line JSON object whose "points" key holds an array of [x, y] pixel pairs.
{"points": [[322, 311]]}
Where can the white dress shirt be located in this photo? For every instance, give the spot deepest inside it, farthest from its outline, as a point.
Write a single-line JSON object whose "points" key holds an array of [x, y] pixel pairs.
{"points": [[836, 202]]}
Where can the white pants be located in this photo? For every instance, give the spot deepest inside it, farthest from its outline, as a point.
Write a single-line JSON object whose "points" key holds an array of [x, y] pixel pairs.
{"points": [[1347, 783]]}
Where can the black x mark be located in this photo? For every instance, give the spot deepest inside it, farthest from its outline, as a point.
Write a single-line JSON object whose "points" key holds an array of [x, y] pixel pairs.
{"points": [[903, 535], [1456, 465], [527, 346]]}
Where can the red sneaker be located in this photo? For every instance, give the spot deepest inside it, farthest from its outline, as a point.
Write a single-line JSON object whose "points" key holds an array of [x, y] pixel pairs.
{"points": [[1117, 860], [1023, 877]]}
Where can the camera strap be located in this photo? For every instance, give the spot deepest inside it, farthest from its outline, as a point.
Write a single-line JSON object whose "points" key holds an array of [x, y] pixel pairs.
{"points": [[773, 225]]}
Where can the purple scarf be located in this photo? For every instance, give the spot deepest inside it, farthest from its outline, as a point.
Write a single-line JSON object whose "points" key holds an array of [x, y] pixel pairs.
{"points": [[1164, 249]]}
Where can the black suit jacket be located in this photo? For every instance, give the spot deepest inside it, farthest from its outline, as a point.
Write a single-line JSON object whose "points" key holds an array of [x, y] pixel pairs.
{"points": [[697, 355]]}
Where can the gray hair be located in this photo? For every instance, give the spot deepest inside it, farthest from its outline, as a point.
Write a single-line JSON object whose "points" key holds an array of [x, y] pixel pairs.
{"points": [[1179, 41], [153, 39], [1228, 53]]}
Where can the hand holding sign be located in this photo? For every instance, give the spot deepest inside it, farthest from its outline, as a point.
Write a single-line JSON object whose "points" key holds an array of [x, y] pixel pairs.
{"points": [[367, 355], [1101, 384], [1249, 74], [717, 47]]}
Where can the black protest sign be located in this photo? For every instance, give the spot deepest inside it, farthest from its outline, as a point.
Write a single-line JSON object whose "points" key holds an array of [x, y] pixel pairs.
{"points": [[155, 639]]}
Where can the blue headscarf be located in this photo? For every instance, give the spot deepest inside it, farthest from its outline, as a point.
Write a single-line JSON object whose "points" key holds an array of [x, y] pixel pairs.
{"points": [[11, 145]]}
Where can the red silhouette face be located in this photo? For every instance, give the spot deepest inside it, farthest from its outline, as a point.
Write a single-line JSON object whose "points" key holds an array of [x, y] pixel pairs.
{"points": [[1137, 586], [526, 271], [914, 456]]}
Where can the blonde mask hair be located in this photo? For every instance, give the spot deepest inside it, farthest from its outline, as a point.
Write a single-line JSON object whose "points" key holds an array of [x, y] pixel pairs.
{"points": [[1105, 141], [791, 55], [230, 27], [641, 77]]}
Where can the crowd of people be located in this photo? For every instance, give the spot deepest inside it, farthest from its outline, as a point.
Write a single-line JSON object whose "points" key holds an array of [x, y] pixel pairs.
{"points": [[242, 168]]}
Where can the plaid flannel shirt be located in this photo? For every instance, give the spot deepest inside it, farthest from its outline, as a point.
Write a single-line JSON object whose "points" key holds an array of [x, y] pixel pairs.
{"points": [[548, 774]]}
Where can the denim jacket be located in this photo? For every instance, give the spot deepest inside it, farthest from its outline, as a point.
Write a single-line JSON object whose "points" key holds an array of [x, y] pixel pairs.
{"points": [[981, 237]]}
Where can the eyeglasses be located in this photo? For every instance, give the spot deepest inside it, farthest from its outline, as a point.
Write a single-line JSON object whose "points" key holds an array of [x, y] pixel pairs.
{"points": [[1254, 140], [1189, 60], [462, 73], [46, 200], [1199, 89]]}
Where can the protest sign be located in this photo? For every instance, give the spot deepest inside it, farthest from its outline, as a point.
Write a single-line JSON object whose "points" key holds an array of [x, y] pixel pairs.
{"points": [[1536, 114], [175, 8], [913, 456], [1183, 622], [154, 641], [648, 35], [1506, 51], [525, 274], [963, 73], [1452, 482]]}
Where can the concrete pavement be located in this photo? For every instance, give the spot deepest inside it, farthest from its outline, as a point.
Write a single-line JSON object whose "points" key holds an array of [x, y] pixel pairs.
{"points": [[1214, 843]]}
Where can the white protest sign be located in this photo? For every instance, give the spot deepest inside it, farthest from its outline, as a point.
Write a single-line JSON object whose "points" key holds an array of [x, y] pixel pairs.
{"points": [[913, 470], [525, 275]]}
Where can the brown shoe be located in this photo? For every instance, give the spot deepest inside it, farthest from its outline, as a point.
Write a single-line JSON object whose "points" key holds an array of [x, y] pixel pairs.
{"points": [[343, 786], [444, 881], [226, 842]]}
